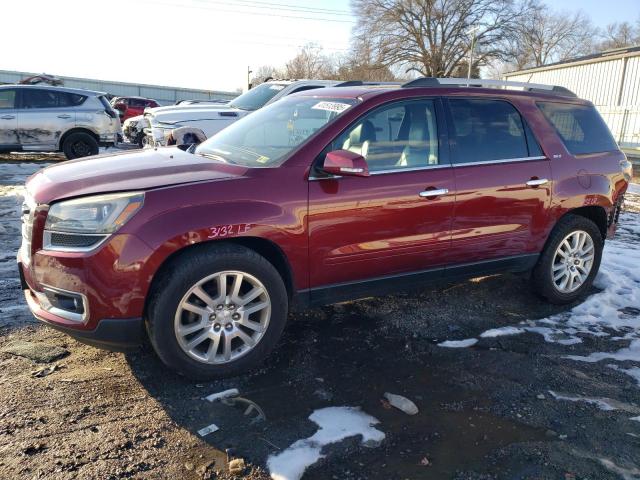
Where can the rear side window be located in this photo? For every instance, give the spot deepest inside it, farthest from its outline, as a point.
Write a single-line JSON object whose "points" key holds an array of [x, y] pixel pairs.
{"points": [[486, 130], [7, 99], [32, 98], [580, 127]]}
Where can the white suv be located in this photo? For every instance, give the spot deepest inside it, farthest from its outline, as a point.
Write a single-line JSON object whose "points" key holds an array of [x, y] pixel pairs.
{"points": [[46, 119]]}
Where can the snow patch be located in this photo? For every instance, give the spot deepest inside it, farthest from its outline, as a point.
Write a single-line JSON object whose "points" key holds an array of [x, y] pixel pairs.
{"points": [[334, 425], [458, 343], [500, 332], [601, 403]]}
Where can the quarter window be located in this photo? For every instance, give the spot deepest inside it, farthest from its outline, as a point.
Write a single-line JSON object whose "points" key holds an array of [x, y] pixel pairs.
{"points": [[400, 136], [486, 130], [7, 99], [580, 127]]}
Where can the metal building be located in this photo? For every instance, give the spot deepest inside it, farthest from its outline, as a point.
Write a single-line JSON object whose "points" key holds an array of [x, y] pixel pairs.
{"points": [[611, 80], [163, 95]]}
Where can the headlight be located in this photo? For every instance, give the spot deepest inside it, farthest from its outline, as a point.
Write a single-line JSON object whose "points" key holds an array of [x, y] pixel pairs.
{"points": [[100, 214]]}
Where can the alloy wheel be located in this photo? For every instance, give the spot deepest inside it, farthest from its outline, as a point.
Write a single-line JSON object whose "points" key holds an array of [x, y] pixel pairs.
{"points": [[222, 317], [572, 261]]}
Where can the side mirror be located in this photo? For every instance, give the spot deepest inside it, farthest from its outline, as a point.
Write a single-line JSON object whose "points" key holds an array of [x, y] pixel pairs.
{"points": [[345, 163]]}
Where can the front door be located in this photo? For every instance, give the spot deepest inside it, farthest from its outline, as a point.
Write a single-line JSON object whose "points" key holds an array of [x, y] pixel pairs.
{"points": [[8, 119], [503, 182], [387, 224]]}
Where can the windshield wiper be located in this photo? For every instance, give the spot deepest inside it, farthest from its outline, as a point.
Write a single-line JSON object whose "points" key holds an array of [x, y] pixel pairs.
{"points": [[213, 156]]}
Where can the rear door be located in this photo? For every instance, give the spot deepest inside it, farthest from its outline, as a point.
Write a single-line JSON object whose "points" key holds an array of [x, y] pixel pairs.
{"points": [[8, 118], [503, 181], [44, 116], [384, 225]]}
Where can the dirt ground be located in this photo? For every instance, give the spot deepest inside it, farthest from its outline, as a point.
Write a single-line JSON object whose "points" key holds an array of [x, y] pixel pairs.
{"points": [[486, 412]]}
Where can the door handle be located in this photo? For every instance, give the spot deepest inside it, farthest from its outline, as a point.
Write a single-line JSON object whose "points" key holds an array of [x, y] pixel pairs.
{"points": [[536, 182], [64, 115], [434, 193], [8, 117]]}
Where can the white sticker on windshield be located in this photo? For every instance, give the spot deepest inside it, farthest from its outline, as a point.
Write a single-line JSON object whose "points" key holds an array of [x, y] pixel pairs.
{"points": [[276, 87], [331, 106]]}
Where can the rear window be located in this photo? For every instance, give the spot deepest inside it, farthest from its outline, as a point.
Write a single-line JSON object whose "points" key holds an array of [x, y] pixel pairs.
{"points": [[580, 127]]}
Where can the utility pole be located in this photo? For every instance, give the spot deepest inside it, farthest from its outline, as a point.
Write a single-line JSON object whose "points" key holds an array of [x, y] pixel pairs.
{"points": [[472, 31]]}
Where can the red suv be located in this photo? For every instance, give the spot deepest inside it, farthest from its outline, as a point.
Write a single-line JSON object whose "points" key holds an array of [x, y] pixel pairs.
{"points": [[132, 106], [320, 197]]}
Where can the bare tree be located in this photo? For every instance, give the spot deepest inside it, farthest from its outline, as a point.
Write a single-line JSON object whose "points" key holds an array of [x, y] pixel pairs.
{"points": [[264, 73], [544, 36], [363, 63], [620, 35], [310, 62], [433, 37]]}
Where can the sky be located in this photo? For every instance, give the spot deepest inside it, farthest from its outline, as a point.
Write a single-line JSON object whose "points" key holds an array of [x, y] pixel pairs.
{"points": [[206, 44]]}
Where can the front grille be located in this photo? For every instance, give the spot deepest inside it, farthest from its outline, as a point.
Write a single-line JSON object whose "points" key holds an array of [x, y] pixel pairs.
{"points": [[28, 213]]}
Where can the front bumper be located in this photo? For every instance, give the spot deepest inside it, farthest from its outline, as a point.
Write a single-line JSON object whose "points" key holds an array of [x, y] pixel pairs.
{"points": [[109, 283], [110, 333]]}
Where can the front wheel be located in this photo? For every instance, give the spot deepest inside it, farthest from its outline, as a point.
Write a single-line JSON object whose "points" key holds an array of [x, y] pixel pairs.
{"points": [[570, 261], [219, 312]]}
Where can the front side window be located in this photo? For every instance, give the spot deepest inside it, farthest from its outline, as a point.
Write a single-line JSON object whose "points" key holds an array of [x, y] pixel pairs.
{"points": [[258, 96], [399, 136], [267, 136], [486, 130], [580, 127], [7, 99]]}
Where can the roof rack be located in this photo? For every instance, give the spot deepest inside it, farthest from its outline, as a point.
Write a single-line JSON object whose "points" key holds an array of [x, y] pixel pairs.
{"points": [[360, 83], [485, 83]]}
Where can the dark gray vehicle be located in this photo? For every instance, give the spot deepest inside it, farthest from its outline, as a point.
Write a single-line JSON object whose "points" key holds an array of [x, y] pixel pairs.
{"points": [[53, 119]]}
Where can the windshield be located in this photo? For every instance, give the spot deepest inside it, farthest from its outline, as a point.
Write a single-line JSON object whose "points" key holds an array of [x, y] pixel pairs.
{"points": [[265, 137], [257, 96]]}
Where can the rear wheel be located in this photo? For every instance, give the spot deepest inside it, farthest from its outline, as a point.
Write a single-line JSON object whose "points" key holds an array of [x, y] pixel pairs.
{"points": [[79, 144], [568, 265], [219, 312]]}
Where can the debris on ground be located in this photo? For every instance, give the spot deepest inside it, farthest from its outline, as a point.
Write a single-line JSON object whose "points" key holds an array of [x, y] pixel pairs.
{"points": [[401, 403], [237, 466], [208, 429], [232, 392], [43, 372], [36, 351]]}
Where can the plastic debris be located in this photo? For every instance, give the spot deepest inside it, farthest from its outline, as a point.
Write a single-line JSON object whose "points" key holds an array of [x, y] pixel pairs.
{"points": [[214, 397], [208, 429], [401, 403]]}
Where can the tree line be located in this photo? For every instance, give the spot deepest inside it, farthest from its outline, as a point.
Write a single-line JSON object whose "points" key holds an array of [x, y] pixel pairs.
{"points": [[399, 39]]}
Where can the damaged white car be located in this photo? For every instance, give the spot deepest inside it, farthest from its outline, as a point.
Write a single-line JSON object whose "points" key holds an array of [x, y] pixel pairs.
{"points": [[210, 119]]}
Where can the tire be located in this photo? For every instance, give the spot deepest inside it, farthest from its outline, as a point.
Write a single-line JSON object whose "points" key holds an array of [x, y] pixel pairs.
{"points": [[552, 263], [167, 316], [79, 144]]}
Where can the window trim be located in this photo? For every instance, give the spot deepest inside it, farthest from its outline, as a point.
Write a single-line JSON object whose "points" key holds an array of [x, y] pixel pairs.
{"points": [[444, 156], [525, 125]]}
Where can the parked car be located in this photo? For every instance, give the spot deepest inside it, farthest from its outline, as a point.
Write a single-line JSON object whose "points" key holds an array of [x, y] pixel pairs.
{"points": [[213, 118], [321, 197], [45, 118], [133, 129], [132, 106]]}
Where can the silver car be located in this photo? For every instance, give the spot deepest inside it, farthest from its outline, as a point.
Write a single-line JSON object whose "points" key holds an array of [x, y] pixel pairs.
{"points": [[52, 119]]}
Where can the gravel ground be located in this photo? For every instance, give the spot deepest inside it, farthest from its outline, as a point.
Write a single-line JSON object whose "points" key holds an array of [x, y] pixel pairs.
{"points": [[508, 407]]}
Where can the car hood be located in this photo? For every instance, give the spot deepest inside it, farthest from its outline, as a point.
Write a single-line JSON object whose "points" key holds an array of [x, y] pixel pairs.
{"points": [[142, 170], [188, 114]]}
